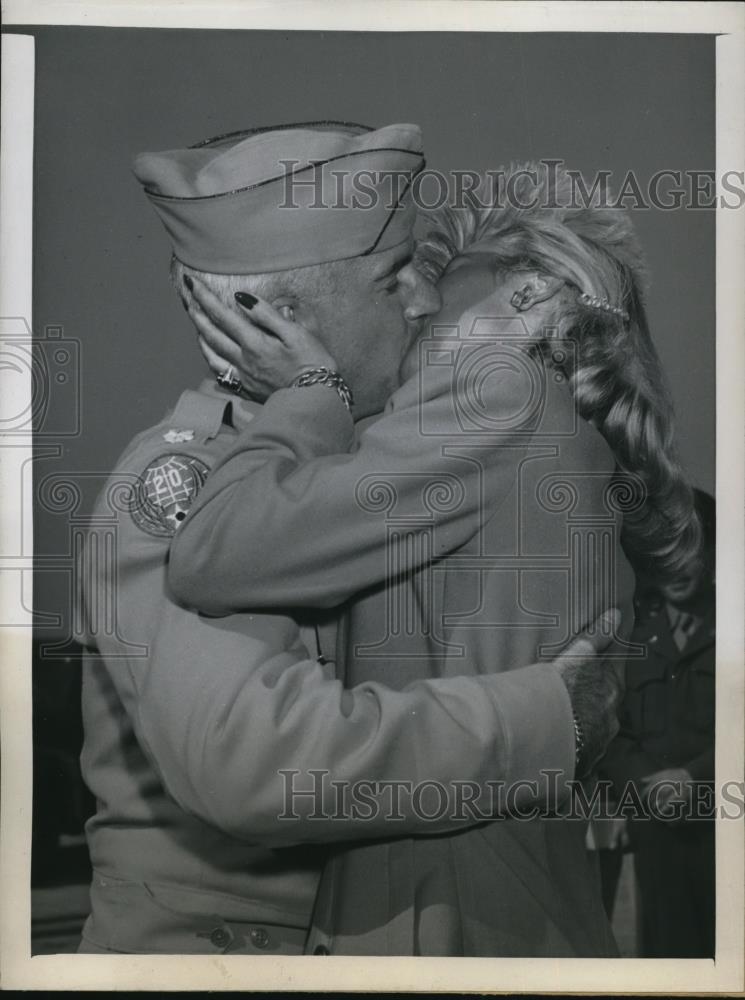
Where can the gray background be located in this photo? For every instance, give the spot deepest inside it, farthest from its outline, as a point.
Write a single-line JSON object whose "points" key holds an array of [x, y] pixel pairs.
{"points": [[613, 102]]}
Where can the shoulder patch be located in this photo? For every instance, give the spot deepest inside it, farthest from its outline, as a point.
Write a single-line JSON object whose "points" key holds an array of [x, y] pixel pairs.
{"points": [[165, 492]]}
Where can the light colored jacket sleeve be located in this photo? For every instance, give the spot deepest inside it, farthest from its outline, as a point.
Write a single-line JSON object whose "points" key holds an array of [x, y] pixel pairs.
{"points": [[221, 707], [234, 717], [291, 517], [260, 742]]}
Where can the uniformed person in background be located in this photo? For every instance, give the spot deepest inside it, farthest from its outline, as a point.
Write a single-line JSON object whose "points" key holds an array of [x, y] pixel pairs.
{"points": [[189, 720], [666, 747]]}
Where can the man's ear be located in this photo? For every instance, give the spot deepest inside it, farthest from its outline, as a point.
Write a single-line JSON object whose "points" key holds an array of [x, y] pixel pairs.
{"points": [[533, 287]]}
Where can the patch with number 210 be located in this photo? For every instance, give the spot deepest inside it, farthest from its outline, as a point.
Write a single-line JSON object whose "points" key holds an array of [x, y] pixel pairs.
{"points": [[165, 492]]}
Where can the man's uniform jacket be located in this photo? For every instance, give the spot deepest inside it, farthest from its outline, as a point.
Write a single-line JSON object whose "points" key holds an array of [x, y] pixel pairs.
{"points": [[667, 721], [667, 716], [543, 556], [190, 720]]}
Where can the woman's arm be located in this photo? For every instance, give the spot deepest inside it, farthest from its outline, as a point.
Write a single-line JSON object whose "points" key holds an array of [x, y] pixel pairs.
{"points": [[292, 517], [298, 514]]}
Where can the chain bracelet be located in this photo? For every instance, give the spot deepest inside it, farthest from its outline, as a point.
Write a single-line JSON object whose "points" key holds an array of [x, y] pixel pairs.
{"points": [[325, 376], [579, 748]]}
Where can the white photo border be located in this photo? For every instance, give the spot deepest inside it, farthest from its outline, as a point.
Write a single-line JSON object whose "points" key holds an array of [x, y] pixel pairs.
{"points": [[724, 975]]}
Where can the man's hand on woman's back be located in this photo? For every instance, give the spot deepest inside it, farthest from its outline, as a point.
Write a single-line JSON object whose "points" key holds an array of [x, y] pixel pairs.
{"points": [[595, 686]]}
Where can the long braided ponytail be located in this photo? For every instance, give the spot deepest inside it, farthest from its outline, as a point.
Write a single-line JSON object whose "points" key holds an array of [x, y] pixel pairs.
{"points": [[617, 380]]}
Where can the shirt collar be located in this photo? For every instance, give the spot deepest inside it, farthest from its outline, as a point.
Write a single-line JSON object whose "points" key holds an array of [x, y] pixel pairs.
{"points": [[239, 412]]}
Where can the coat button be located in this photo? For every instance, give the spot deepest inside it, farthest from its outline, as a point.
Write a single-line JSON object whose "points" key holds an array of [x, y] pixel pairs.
{"points": [[260, 938], [321, 949], [220, 937]]}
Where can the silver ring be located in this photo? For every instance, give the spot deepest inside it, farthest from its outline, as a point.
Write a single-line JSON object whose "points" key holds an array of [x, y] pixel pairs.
{"points": [[229, 380]]}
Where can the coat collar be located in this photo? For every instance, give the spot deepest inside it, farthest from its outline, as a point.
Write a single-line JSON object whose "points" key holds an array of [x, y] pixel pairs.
{"points": [[239, 412]]}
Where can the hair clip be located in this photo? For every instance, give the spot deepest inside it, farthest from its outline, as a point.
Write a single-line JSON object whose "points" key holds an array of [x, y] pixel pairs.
{"points": [[603, 305], [520, 298]]}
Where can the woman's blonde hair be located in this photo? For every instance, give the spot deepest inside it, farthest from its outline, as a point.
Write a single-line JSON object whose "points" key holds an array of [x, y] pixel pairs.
{"points": [[532, 220]]}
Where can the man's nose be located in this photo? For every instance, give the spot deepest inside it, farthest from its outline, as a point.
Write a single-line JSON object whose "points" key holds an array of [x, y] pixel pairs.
{"points": [[419, 294]]}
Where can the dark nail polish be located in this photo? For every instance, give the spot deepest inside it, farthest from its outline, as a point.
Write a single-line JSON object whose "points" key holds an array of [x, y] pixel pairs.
{"points": [[245, 299], [189, 283]]}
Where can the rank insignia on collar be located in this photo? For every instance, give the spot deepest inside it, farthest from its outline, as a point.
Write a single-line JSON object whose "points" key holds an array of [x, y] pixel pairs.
{"points": [[165, 492], [173, 436]]}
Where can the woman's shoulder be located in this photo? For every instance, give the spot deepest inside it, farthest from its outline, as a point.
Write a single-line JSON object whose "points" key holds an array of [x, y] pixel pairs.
{"points": [[580, 447]]}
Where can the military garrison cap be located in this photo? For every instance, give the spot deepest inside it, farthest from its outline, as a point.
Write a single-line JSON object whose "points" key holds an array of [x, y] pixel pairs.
{"points": [[288, 196]]}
